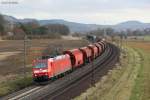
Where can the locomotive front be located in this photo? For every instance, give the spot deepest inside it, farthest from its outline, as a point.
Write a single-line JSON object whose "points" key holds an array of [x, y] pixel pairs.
{"points": [[40, 70]]}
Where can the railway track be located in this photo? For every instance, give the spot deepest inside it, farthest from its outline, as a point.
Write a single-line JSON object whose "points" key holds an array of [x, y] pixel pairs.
{"points": [[84, 82], [59, 88]]}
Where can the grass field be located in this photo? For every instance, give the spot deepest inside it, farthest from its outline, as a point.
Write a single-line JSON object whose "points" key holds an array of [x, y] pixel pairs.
{"points": [[141, 89], [12, 59], [147, 38], [129, 80], [12, 52]]}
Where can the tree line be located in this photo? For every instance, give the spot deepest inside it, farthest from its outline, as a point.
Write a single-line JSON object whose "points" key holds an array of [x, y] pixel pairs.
{"points": [[2, 25], [32, 29], [111, 32]]}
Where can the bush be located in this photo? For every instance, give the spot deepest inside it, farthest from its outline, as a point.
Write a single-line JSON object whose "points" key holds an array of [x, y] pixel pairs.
{"points": [[14, 85]]}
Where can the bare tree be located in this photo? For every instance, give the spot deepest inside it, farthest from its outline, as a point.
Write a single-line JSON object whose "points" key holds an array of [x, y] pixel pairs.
{"points": [[2, 25]]}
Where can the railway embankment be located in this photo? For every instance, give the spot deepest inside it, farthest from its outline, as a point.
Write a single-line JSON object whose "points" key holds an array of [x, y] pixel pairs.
{"points": [[126, 80]]}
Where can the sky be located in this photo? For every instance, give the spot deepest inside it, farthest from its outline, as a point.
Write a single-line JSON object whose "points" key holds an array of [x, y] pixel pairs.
{"points": [[82, 11]]}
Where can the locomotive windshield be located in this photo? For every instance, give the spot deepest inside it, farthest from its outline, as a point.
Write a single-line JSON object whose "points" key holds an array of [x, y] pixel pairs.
{"points": [[40, 65]]}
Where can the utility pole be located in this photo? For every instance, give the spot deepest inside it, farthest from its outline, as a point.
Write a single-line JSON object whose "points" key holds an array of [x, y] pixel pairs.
{"points": [[25, 53], [105, 33], [92, 79], [92, 76], [121, 41]]}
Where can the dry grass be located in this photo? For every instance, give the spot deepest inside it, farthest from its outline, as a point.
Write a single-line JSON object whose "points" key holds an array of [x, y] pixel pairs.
{"points": [[117, 85], [128, 81], [141, 89], [12, 62], [12, 59], [14, 84]]}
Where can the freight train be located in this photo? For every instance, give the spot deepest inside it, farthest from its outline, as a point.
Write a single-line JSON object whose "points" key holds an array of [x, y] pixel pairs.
{"points": [[70, 60]]}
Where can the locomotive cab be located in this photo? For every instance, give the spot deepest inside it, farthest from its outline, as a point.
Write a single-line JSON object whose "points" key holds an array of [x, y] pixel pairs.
{"points": [[40, 70]]}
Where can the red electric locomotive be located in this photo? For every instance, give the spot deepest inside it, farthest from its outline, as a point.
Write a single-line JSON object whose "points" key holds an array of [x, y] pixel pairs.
{"points": [[40, 69], [47, 69], [59, 65]]}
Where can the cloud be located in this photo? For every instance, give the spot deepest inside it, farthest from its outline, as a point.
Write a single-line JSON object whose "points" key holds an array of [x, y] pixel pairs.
{"points": [[87, 11]]}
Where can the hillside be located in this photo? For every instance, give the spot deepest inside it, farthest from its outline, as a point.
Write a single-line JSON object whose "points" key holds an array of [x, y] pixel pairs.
{"points": [[80, 27], [131, 25]]}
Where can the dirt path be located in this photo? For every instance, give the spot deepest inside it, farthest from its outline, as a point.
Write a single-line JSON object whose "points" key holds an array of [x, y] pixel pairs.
{"points": [[4, 55]]}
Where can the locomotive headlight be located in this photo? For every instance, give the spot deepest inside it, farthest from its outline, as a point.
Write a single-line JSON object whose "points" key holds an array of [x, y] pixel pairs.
{"points": [[45, 70], [36, 71], [35, 75]]}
